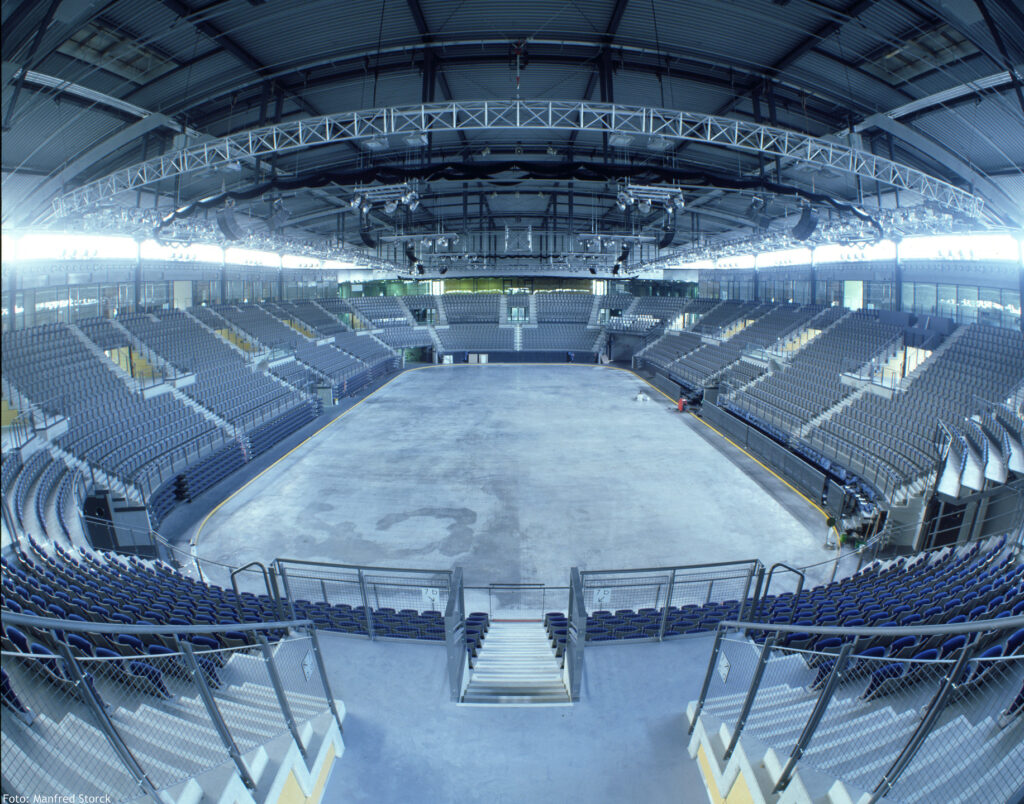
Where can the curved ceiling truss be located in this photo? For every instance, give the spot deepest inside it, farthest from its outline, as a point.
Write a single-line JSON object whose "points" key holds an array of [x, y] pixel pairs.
{"points": [[526, 115]]}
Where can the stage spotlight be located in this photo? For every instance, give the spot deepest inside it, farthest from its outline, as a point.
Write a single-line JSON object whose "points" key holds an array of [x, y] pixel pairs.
{"points": [[443, 271], [644, 207], [592, 270], [622, 200], [805, 227], [356, 202]]}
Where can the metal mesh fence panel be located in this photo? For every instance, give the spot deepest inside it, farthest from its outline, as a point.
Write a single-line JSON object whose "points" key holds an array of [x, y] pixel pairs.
{"points": [[871, 715], [53, 742], [245, 696], [975, 751], [304, 688], [415, 592], [156, 709], [914, 717], [666, 601]]}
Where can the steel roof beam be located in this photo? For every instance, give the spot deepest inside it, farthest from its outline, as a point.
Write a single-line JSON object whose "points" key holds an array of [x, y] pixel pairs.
{"points": [[808, 44], [232, 47], [430, 53], [486, 116], [1001, 45], [993, 192], [403, 53]]}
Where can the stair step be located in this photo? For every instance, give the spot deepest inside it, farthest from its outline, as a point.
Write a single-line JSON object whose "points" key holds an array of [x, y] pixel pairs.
{"points": [[516, 665]]}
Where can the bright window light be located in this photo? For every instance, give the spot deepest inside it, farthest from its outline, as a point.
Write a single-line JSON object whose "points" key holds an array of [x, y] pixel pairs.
{"points": [[736, 261], [181, 252], [339, 265], [695, 265], [861, 252], [59, 246], [791, 256], [300, 261], [961, 247], [246, 256]]}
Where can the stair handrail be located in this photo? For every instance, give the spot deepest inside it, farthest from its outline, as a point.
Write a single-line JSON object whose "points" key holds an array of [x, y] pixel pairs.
{"points": [[850, 633], [455, 637], [973, 626], [91, 627], [801, 577], [271, 591]]}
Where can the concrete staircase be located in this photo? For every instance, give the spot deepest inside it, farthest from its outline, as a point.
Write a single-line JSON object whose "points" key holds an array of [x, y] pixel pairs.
{"points": [[442, 314], [177, 745], [503, 311], [532, 312], [516, 666], [134, 385], [518, 339], [438, 348], [328, 313], [147, 353], [827, 414], [924, 365], [221, 338], [407, 311], [595, 313], [203, 411]]}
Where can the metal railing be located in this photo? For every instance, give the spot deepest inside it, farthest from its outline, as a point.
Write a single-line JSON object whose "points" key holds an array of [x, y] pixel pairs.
{"points": [[365, 588], [916, 711], [455, 637], [157, 706], [661, 589], [576, 636], [515, 601]]}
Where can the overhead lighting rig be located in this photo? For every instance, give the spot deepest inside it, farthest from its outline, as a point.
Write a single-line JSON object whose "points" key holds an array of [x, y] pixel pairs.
{"points": [[646, 196], [390, 196]]}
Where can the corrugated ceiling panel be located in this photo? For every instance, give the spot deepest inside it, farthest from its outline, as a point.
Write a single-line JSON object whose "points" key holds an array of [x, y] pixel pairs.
{"points": [[816, 71], [283, 32], [988, 135], [208, 77], [520, 19], [758, 33], [475, 82], [46, 134]]}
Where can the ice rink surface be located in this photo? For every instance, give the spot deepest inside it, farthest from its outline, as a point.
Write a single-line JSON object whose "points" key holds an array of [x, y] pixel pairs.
{"points": [[516, 473]]}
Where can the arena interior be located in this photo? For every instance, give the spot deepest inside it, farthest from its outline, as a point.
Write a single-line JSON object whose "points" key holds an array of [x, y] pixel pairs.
{"points": [[446, 401]]}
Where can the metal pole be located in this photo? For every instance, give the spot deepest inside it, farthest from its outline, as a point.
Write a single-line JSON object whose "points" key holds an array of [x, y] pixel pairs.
{"points": [[318, 656], [707, 677], [746, 591], [668, 601], [215, 716], [762, 662], [816, 715], [923, 729], [276, 590], [282, 700], [366, 605], [84, 688]]}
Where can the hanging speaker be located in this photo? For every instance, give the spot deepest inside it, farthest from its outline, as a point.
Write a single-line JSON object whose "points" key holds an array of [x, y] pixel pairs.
{"points": [[366, 237], [669, 234], [806, 225], [278, 216], [230, 227]]}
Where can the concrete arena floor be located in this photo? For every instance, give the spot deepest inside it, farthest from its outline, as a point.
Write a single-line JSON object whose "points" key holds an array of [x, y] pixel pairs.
{"points": [[516, 473]]}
